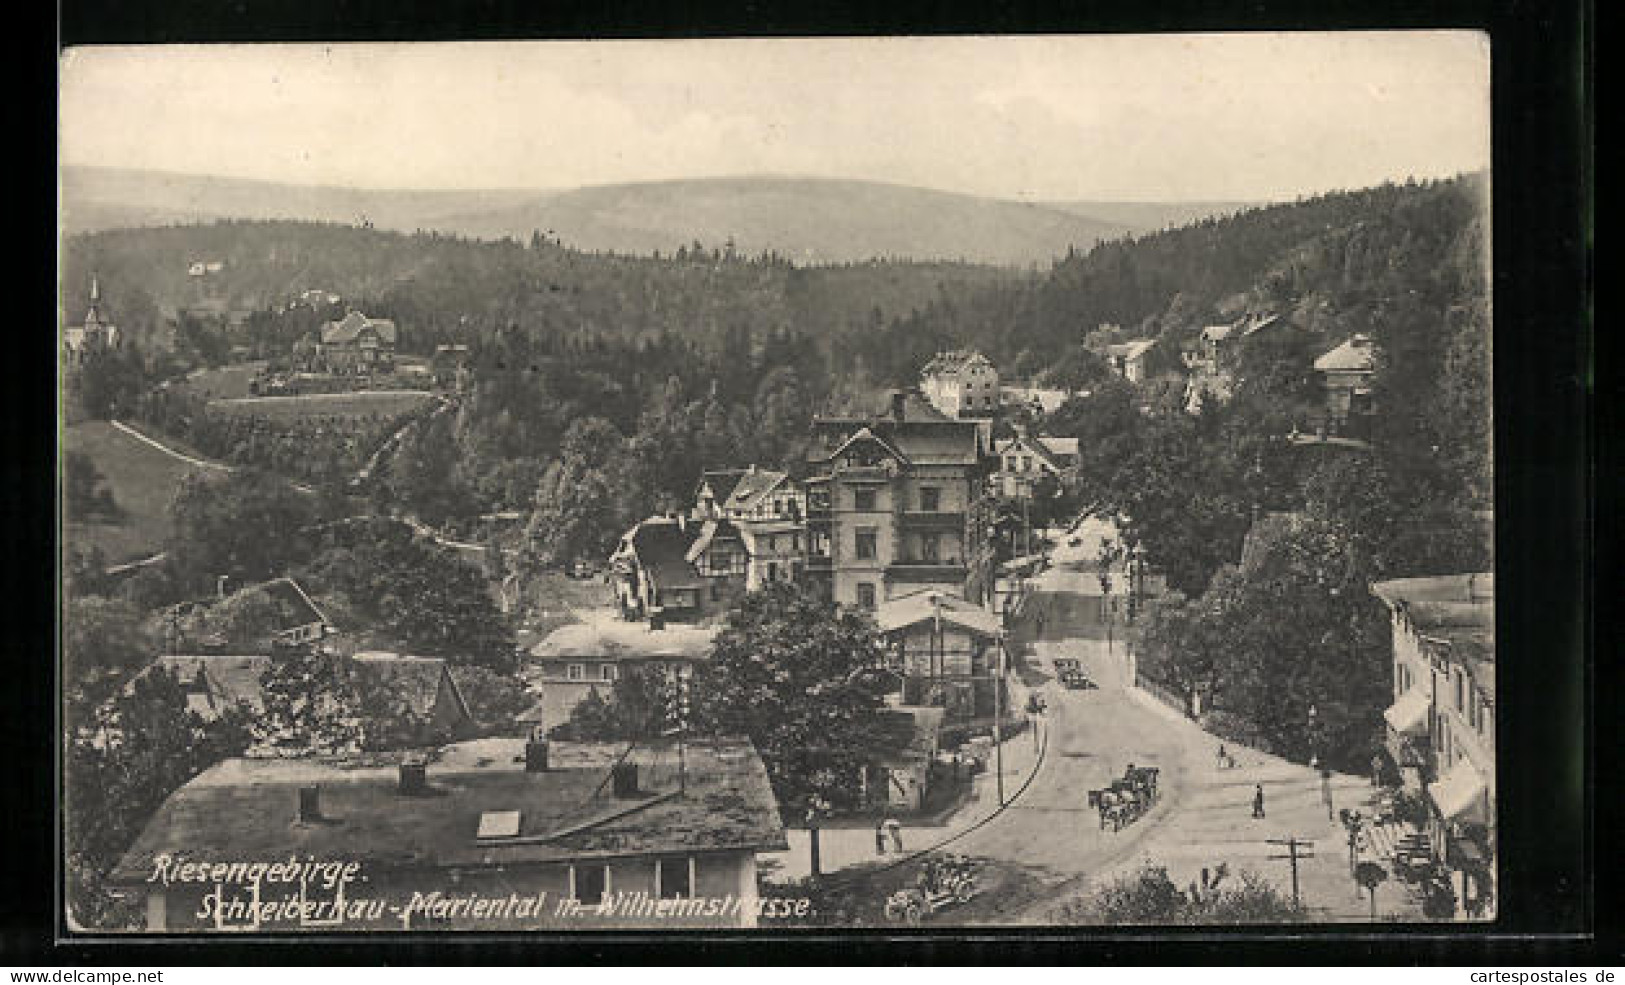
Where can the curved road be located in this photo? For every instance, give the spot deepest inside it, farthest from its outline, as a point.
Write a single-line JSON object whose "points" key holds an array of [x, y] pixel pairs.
{"points": [[1048, 846]]}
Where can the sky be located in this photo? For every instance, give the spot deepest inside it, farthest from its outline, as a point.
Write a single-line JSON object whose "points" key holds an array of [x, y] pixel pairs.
{"points": [[1248, 117]]}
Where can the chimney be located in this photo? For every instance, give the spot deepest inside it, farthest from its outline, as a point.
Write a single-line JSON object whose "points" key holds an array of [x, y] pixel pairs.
{"points": [[624, 780], [536, 753], [414, 777], [310, 805], [899, 399]]}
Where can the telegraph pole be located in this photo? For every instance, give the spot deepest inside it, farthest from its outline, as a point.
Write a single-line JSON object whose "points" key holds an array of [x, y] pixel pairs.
{"points": [[998, 716], [1296, 849]]}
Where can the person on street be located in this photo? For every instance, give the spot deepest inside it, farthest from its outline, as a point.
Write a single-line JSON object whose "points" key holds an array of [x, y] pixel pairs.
{"points": [[896, 829], [1376, 771], [1258, 800], [1326, 791], [880, 838], [1223, 755]]}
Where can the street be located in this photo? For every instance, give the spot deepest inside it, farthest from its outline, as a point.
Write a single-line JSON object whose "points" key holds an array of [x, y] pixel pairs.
{"points": [[1048, 846]]}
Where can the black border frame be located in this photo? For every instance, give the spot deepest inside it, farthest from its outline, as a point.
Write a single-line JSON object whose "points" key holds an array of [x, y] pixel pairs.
{"points": [[1545, 452]]}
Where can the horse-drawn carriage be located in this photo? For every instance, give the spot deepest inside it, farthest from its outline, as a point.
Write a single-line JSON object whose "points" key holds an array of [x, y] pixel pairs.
{"points": [[941, 883], [1127, 799]]}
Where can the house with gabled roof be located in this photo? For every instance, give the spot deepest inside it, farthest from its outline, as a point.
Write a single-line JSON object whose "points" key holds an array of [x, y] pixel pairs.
{"points": [[768, 508], [948, 652], [357, 344], [422, 686], [1025, 459], [1345, 374], [678, 568], [575, 661], [961, 383], [1127, 359], [496, 834]]}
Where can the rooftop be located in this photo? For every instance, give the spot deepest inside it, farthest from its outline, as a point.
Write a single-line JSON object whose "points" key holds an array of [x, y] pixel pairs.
{"points": [[752, 486], [1132, 349], [923, 435], [661, 545], [954, 361], [294, 607], [626, 641], [930, 605], [1059, 446], [722, 482], [220, 682], [351, 325], [1465, 587], [247, 810], [1354, 356]]}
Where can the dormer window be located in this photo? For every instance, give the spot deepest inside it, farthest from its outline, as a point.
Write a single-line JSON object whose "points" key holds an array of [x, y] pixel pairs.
{"points": [[498, 824]]}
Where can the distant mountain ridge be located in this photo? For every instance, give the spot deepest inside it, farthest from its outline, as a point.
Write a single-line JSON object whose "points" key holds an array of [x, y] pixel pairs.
{"points": [[808, 220]]}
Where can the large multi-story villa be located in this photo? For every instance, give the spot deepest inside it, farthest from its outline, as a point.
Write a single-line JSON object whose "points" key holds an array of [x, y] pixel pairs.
{"points": [[896, 502]]}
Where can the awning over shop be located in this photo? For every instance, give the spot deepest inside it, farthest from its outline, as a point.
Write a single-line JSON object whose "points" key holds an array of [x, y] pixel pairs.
{"points": [[1458, 795], [1408, 715]]}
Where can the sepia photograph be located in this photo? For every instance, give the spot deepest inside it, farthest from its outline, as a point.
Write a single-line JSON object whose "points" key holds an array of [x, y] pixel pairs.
{"points": [[777, 484]]}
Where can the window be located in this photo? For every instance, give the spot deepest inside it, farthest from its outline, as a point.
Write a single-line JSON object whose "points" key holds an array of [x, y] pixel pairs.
{"points": [[1026, 463], [576, 672], [608, 672], [931, 547], [866, 595], [866, 544], [863, 499], [588, 883], [772, 572], [795, 542], [930, 499], [675, 877]]}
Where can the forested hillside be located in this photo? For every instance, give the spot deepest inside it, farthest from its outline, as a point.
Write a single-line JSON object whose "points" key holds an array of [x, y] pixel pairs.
{"points": [[629, 375], [1330, 262], [444, 288]]}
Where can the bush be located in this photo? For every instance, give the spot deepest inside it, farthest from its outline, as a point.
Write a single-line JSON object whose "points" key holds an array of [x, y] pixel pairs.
{"points": [[1150, 897]]}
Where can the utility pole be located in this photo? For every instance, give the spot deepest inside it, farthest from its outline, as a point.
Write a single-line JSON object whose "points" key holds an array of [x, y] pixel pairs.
{"points": [[998, 716], [1296, 849]]}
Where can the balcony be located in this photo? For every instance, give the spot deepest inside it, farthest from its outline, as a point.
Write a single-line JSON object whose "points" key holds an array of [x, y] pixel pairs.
{"points": [[935, 519], [922, 570], [820, 562], [864, 473]]}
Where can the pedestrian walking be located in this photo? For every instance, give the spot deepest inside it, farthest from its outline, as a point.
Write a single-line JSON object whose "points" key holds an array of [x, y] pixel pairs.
{"points": [[1219, 761], [1258, 800], [1376, 771], [880, 838]]}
